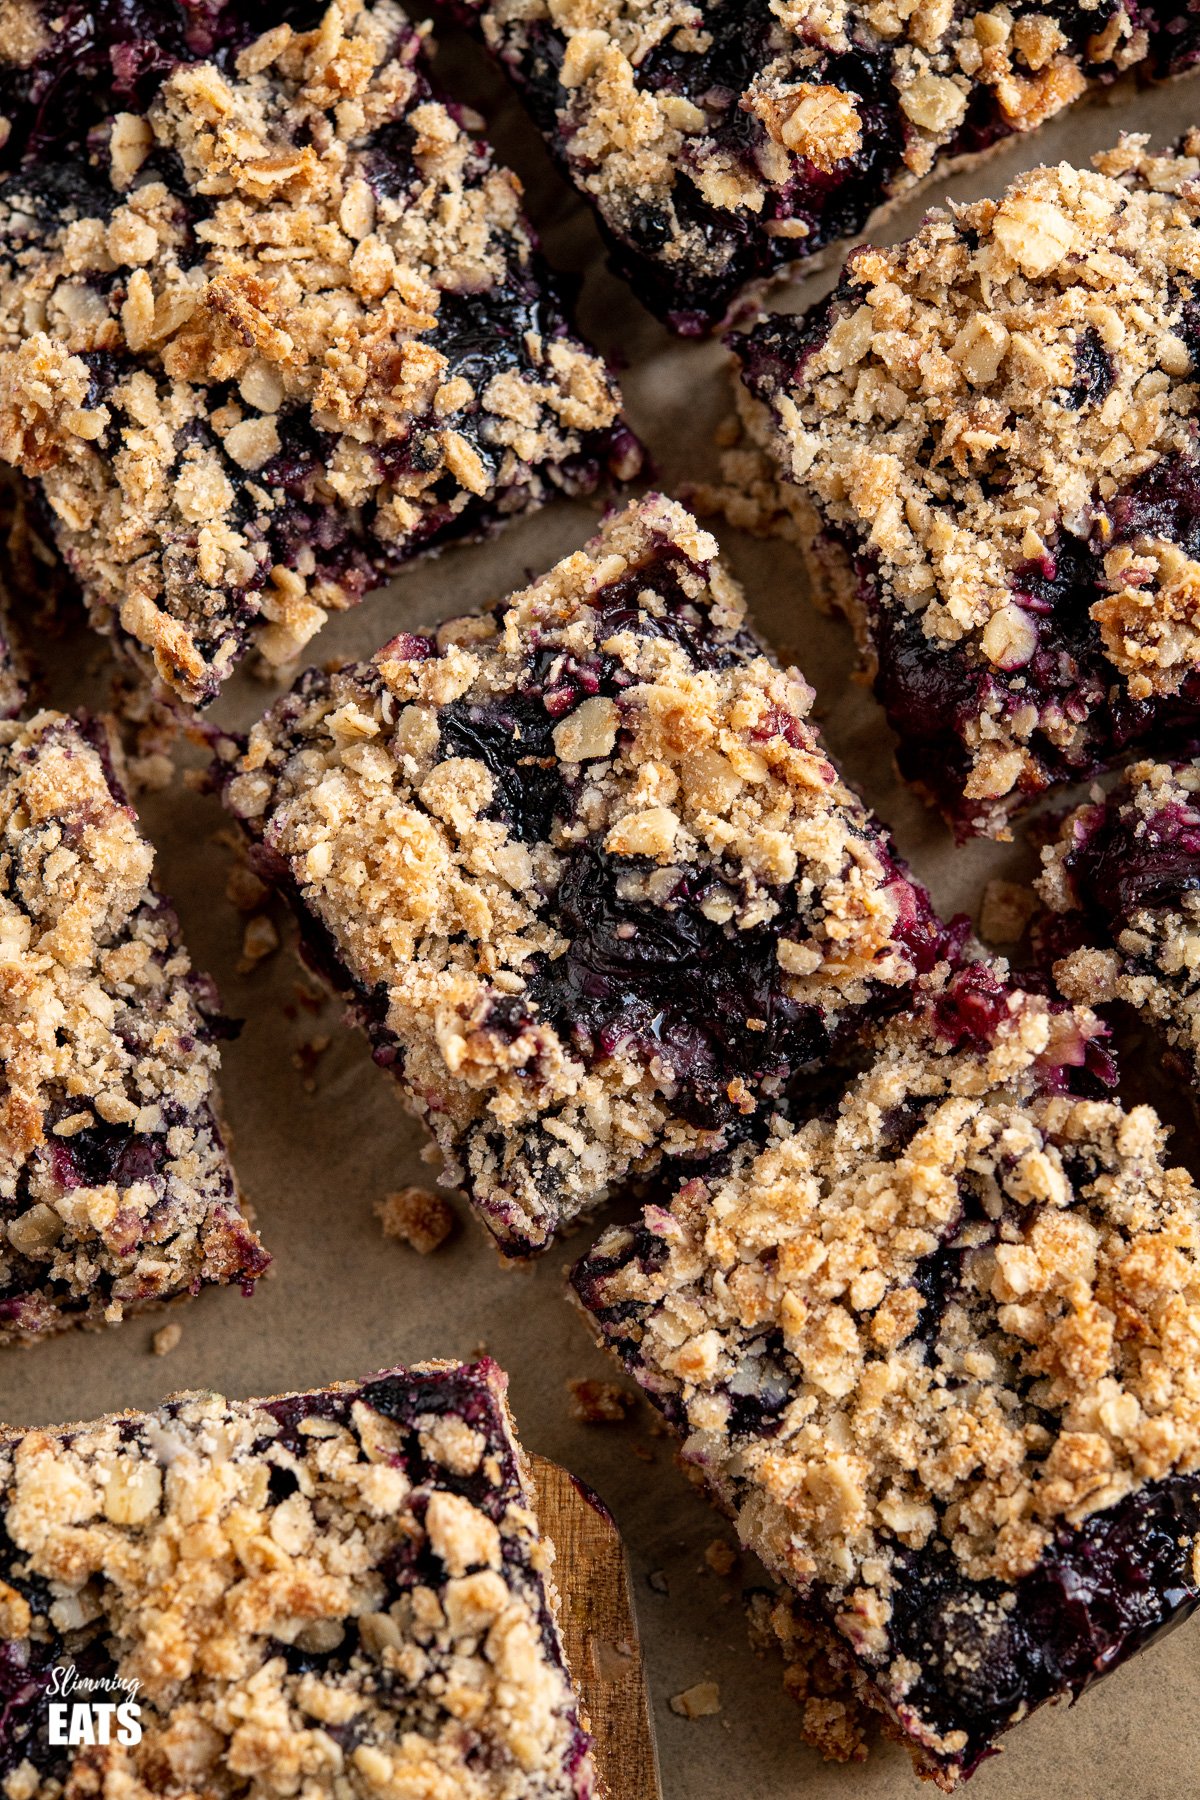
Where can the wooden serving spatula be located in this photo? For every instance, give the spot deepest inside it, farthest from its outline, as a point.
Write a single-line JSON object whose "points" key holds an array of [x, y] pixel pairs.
{"points": [[600, 1629]]}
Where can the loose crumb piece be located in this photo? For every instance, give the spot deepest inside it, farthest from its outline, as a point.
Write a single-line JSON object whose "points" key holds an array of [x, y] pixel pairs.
{"points": [[599, 1402], [244, 889], [1007, 909], [700, 1701], [165, 1339], [720, 1557], [415, 1216], [834, 1718], [260, 939]]}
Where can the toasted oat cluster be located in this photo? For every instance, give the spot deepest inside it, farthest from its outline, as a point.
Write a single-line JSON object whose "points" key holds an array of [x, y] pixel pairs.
{"points": [[1121, 883], [342, 1593], [584, 871], [936, 1351], [721, 141], [989, 433], [271, 322], [115, 1187]]}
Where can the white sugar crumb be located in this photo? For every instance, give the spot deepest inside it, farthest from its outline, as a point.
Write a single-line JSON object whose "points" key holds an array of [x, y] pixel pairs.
{"points": [[700, 1701], [166, 1339]]}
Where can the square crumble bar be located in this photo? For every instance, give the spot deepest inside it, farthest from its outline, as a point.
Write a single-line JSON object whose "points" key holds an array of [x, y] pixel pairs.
{"points": [[272, 326], [989, 435], [341, 1593], [115, 1187], [720, 142], [938, 1354], [584, 871], [1123, 911]]}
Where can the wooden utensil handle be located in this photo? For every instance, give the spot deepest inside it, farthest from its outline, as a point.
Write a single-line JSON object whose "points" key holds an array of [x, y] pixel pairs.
{"points": [[599, 1626]]}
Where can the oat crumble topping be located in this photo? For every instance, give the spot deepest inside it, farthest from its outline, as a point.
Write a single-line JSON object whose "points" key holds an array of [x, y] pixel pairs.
{"points": [[721, 141], [991, 430], [927, 1336], [338, 1593], [266, 340], [583, 867], [115, 1187]]}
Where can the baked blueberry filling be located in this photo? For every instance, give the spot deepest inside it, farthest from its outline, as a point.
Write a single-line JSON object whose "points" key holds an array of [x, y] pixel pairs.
{"points": [[695, 919], [297, 441], [847, 1325], [1020, 600], [773, 141], [115, 1187], [414, 1477]]}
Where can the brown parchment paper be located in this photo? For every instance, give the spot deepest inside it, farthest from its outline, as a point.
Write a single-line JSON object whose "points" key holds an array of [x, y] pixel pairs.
{"points": [[342, 1300]]}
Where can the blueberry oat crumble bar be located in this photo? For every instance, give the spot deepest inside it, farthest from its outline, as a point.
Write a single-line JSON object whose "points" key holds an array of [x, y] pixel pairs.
{"points": [[1120, 883], [938, 1353], [272, 325], [722, 141], [115, 1187], [989, 434], [584, 871], [340, 1593]]}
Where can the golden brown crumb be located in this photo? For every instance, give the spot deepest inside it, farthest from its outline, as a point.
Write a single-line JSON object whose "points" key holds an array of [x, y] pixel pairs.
{"points": [[599, 1402], [244, 888], [287, 294], [166, 1338], [269, 1573], [1006, 911], [700, 1701], [260, 939], [104, 1033], [415, 1216], [720, 1557]]}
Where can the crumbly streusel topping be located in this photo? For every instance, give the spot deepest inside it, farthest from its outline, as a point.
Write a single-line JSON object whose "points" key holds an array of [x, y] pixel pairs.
{"points": [[333, 1593], [1149, 956], [115, 1188], [983, 401], [456, 889], [709, 140], [1045, 1372], [240, 323]]}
